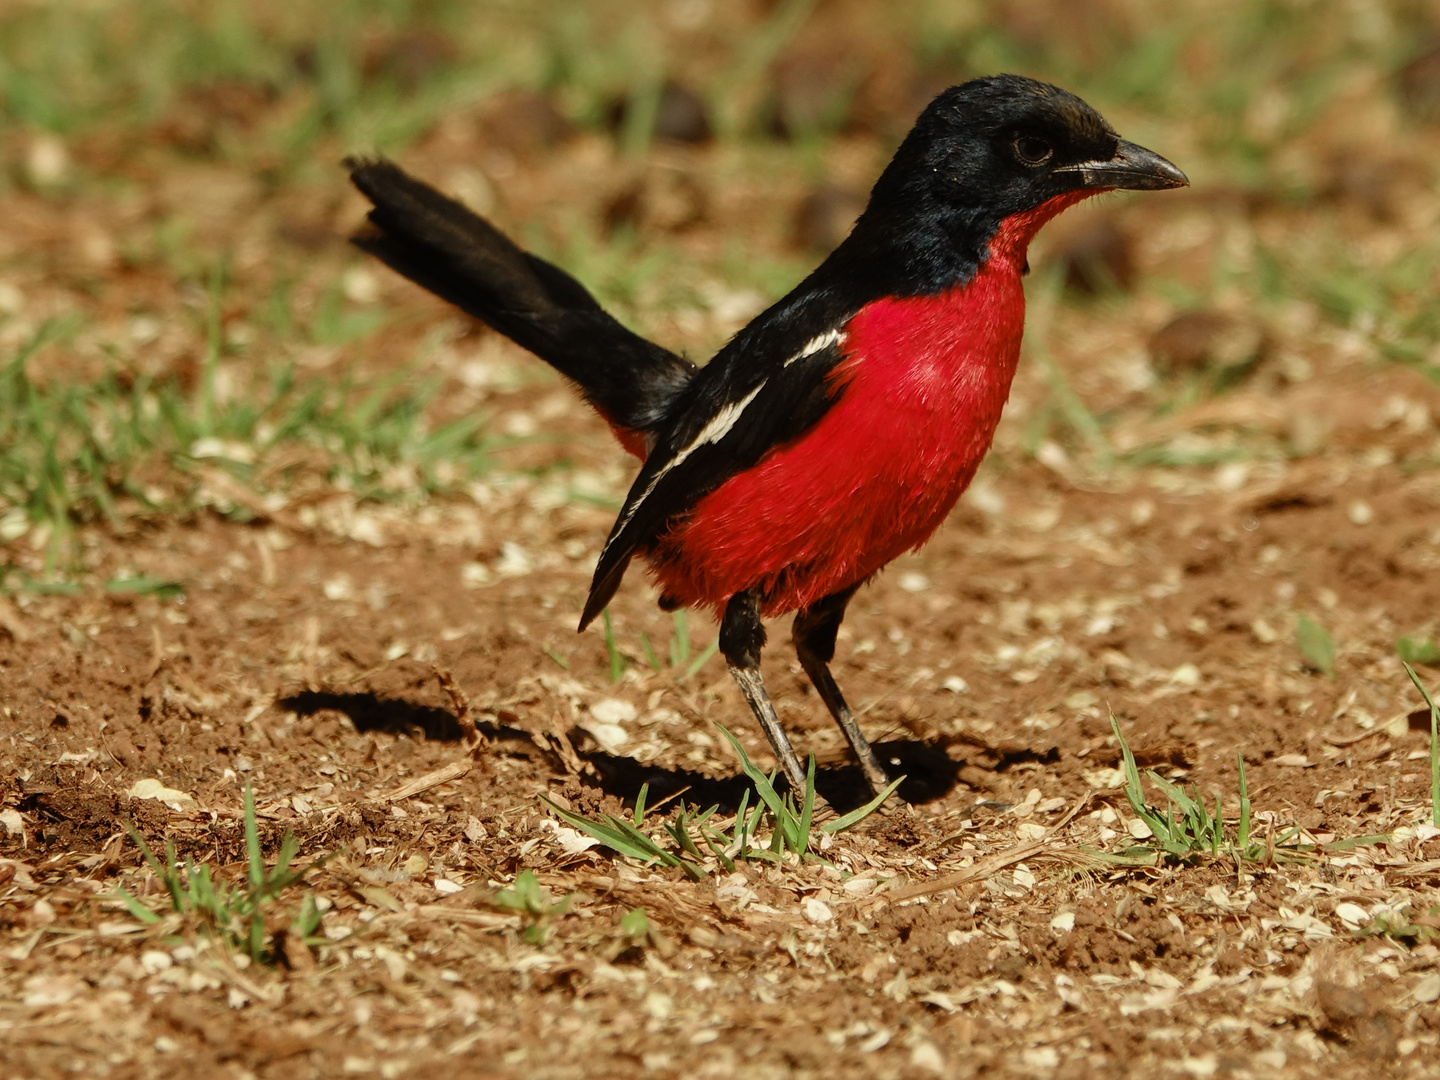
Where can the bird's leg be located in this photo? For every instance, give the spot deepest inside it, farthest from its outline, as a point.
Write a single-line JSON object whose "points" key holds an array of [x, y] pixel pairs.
{"points": [[742, 636], [814, 633]]}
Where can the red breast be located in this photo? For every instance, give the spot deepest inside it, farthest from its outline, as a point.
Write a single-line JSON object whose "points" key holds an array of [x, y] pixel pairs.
{"points": [[924, 382]]}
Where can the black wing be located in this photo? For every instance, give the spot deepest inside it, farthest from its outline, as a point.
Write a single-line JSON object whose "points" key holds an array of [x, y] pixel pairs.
{"points": [[727, 424]]}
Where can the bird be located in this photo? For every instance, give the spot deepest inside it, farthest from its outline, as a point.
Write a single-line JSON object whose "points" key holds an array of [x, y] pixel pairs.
{"points": [[837, 429]]}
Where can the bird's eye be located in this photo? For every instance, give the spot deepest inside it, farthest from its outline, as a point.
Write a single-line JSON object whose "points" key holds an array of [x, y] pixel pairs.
{"points": [[1032, 151]]}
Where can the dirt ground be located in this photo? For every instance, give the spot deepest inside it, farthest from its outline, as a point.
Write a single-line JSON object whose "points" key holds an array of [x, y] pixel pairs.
{"points": [[965, 930], [300, 660]]}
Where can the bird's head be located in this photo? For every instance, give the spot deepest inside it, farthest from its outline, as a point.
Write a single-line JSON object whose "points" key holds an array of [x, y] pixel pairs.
{"points": [[990, 149]]}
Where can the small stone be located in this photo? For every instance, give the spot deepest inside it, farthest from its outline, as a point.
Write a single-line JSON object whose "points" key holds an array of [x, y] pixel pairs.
{"points": [[1186, 675], [153, 961], [681, 116], [48, 162], [816, 912], [1352, 915], [913, 582], [13, 822], [926, 1056], [1428, 989], [613, 711], [1041, 1057]]}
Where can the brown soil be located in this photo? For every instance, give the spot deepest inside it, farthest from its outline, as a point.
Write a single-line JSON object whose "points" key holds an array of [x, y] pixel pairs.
{"points": [[302, 662]]}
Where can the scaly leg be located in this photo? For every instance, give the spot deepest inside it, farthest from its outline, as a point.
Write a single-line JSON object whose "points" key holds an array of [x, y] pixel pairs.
{"points": [[814, 633], [742, 636]]}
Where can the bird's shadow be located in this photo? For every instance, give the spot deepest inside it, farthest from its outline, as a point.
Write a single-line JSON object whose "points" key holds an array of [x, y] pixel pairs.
{"points": [[929, 772], [396, 716]]}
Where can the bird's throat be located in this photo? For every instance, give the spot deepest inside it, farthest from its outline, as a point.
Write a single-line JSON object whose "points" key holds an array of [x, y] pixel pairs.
{"points": [[1011, 241]]}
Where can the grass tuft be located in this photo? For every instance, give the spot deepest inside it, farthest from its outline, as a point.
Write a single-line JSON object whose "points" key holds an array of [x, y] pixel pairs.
{"points": [[694, 836], [532, 903], [1418, 650], [122, 447], [234, 915], [684, 666], [1197, 831]]}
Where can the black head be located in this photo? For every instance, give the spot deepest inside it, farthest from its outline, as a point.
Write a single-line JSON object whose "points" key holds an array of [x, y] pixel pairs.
{"points": [[1009, 143], [990, 148]]}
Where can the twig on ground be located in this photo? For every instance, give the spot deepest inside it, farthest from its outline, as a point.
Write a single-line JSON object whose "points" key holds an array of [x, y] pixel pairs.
{"points": [[990, 863], [473, 739], [443, 775], [983, 868]]}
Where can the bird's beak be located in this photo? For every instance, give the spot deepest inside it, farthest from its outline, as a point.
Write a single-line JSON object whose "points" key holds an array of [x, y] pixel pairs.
{"points": [[1132, 168]]}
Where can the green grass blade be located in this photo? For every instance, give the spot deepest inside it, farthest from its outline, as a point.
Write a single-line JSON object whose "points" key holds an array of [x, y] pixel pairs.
{"points": [[608, 834], [648, 649], [617, 661], [680, 832], [741, 836], [1316, 645], [145, 852], [1174, 793], [1417, 651], [622, 837], [680, 639], [1134, 793], [1357, 841], [854, 817], [1243, 838], [701, 660], [252, 841], [807, 808], [1434, 743], [640, 804], [1219, 830], [763, 787], [718, 850], [174, 880]]}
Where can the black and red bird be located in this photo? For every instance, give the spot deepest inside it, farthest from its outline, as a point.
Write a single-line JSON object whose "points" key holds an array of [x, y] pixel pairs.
{"points": [[836, 430]]}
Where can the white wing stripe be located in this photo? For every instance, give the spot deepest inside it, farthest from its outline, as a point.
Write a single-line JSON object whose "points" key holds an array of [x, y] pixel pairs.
{"points": [[722, 422], [815, 344], [719, 426]]}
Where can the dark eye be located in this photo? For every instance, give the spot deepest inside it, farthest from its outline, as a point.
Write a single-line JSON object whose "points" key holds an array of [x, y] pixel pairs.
{"points": [[1032, 151]]}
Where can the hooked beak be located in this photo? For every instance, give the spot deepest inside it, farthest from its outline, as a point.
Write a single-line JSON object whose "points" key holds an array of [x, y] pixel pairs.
{"points": [[1132, 168]]}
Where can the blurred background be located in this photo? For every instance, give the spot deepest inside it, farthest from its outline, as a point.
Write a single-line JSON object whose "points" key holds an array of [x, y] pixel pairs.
{"points": [[183, 326]]}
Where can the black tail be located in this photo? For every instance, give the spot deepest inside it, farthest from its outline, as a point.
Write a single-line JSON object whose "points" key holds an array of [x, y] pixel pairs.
{"points": [[460, 257]]}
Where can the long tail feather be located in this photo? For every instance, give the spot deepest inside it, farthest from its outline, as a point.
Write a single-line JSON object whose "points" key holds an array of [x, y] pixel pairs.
{"points": [[459, 256]]}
